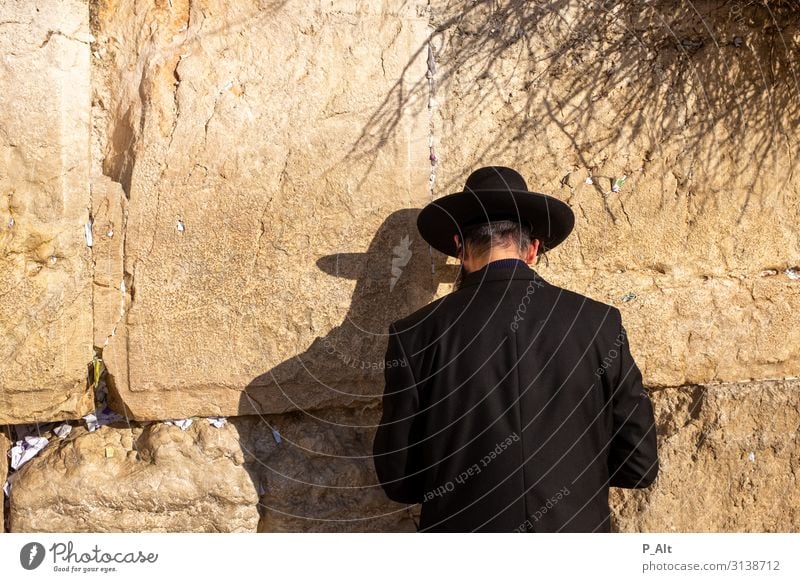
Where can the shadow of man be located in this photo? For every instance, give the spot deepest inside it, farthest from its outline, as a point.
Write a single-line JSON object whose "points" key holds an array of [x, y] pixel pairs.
{"points": [[308, 450]]}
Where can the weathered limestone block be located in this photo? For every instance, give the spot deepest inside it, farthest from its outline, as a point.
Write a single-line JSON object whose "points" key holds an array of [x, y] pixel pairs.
{"points": [[310, 475], [5, 445], [730, 462], [318, 375], [694, 330], [246, 140], [45, 263], [648, 97], [153, 479]]}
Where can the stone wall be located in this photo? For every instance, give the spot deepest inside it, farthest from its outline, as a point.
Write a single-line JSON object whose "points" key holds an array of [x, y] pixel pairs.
{"points": [[208, 210], [45, 260]]}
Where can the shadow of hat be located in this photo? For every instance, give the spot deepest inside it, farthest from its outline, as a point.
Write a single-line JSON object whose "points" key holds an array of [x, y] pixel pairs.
{"points": [[386, 245]]}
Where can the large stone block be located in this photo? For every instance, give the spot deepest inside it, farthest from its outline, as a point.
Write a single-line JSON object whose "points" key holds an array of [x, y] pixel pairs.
{"points": [[296, 472], [45, 263], [246, 139], [663, 101], [730, 462], [695, 330], [685, 329], [152, 479]]}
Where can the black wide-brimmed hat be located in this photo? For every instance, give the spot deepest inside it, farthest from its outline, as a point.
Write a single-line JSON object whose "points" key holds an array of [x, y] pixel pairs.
{"points": [[494, 193]]}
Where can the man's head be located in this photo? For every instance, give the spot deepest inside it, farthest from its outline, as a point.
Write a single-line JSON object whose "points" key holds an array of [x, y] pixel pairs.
{"points": [[500, 239], [494, 193]]}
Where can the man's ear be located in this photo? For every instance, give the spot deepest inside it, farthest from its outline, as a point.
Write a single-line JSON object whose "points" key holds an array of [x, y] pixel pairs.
{"points": [[459, 247], [533, 249]]}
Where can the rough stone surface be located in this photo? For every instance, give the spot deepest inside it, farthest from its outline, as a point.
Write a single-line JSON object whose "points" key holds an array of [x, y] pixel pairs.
{"points": [[229, 311], [343, 365], [45, 263], [323, 479], [157, 478], [730, 462], [656, 92], [241, 172], [206, 479], [691, 330], [723, 468]]}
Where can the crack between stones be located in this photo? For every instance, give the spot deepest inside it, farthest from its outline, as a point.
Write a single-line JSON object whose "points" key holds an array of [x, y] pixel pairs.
{"points": [[51, 33], [431, 77]]}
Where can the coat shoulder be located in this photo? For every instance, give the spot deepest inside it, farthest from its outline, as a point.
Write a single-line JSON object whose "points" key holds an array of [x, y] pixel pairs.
{"points": [[584, 300], [565, 301], [588, 307]]}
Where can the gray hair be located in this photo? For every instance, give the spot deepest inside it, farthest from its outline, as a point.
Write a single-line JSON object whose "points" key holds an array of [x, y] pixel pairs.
{"points": [[480, 238]]}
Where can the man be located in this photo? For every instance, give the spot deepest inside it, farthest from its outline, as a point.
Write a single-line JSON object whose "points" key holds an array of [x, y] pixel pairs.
{"points": [[515, 403]]}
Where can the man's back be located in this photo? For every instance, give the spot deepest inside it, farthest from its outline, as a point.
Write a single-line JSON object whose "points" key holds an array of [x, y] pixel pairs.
{"points": [[501, 401]]}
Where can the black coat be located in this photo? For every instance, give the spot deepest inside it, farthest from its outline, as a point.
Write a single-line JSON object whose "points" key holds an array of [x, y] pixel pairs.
{"points": [[512, 404]]}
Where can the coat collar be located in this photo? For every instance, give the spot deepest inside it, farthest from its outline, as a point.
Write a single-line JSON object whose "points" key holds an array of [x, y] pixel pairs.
{"points": [[498, 273]]}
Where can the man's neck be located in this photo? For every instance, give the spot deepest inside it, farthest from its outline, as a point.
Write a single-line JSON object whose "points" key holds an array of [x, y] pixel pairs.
{"points": [[477, 265]]}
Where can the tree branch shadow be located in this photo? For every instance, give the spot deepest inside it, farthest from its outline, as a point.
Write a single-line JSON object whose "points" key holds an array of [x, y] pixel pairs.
{"points": [[716, 78]]}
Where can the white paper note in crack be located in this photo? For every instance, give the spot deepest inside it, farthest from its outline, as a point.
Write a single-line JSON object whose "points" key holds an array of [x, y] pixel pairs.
{"points": [[217, 421], [26, 449], [183, 423], [62, 431]]}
